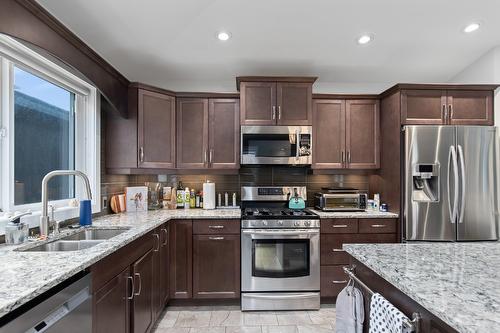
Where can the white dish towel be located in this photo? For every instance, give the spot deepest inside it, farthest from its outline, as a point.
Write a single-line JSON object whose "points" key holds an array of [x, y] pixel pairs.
{"points": [[350, 313], [385, 317]]}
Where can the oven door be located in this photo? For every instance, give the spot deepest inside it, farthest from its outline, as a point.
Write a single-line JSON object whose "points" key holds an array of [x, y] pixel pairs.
{"points": [[276, 145], [280, 260]]}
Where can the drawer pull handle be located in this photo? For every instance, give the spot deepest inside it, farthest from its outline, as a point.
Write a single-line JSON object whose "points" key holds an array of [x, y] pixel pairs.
{"points": [[337, 250], [340, 225], [215, 227], [378, 225], [216, 238], [339, 281]]}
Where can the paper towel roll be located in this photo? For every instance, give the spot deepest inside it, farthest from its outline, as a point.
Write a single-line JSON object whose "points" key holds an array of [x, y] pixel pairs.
{"points": [[208, 195]]}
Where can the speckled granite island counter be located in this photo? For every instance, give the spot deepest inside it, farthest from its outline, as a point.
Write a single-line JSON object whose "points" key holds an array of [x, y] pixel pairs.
{"points": [[458, 283], [25, 275]]}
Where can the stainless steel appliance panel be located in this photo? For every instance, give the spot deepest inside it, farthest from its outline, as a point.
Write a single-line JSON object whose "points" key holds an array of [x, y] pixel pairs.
{"points": [[430, 219], [478, 209], [251, 283], [280, 301], [69, 310], [288, 145], [271, 193]]}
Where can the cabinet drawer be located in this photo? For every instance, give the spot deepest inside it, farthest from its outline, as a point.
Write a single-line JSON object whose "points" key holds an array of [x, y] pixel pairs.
{"points": [[333, 280], [377, 226], [331, 250], [210, 227], [339, 226]]}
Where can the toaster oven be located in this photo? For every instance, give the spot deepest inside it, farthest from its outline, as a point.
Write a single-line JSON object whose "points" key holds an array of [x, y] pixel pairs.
{"points": [[341, 201]]}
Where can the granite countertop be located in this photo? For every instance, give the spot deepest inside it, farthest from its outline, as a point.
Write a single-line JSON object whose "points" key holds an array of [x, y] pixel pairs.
{"points": [[25, 275], [457, 282], [369, 214]]}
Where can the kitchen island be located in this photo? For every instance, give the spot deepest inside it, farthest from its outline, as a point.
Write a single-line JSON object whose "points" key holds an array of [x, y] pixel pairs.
{"points": [[454, 286]]}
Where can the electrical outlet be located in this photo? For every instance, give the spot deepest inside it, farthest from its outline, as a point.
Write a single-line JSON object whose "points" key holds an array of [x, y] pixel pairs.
{"points": [[104, 203]]}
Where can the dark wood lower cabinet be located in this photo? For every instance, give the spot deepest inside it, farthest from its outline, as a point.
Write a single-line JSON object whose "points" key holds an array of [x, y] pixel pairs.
{"points": [[142, 303], [111, 311], [216, 266], [161, 270], [181, 259], [335, 233]]}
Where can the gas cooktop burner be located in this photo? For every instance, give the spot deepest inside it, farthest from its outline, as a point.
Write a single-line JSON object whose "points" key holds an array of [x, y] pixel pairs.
{"points": [[277, 213]]}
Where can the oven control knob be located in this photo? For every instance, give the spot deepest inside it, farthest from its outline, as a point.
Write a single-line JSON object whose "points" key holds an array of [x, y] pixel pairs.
{"points": [[280, 222], [296, 223], [264, 222], [308, 223]]}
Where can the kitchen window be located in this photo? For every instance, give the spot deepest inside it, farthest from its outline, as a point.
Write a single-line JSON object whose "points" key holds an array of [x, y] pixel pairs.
{"points": [[49, 120]]}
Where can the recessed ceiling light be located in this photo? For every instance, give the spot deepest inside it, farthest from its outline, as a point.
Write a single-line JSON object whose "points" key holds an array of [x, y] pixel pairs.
{"points": [[365, 39], [471, 27], [223, 35]]}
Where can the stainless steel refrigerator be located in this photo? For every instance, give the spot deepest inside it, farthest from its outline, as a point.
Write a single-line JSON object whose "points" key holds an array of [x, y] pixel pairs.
{"points": [[450, 183]]}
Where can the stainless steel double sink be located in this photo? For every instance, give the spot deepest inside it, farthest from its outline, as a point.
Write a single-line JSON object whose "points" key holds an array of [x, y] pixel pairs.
{"points": [[81, 240]]}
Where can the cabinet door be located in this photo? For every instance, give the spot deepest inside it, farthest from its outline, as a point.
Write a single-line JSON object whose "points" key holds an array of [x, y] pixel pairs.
{"points": [[192, 133], [181, 259], [164, 265], [157, 294], [294, 103], [258, 103], [216, 266], [470, 107], [224, 133], [423, 107], [362, 134], [111, 305], [328, 134], [142, 303], [156, 130]]}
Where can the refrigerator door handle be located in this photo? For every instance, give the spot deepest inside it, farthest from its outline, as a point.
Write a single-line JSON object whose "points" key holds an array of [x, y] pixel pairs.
{"points": [[462, 178], [452, 158]]}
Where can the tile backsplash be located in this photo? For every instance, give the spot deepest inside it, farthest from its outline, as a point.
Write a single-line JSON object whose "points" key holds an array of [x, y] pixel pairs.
{"points": [[248, 176]]}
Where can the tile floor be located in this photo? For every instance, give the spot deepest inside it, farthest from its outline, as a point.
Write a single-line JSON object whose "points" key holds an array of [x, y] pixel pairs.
{"points": [[224, 319]]}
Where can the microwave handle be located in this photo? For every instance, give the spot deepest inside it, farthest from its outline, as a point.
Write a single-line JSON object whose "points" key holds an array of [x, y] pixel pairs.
{"points": [[297, 144]]}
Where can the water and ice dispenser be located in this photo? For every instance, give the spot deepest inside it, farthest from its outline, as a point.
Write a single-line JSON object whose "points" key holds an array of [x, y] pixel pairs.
{"points": [[426, 182]]}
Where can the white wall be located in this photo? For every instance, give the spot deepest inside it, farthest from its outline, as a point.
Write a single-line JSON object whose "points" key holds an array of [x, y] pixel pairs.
{"points": [[486, 69]]}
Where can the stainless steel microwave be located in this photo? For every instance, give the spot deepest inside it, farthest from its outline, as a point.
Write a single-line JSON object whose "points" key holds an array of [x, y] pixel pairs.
{"points": [[290, 145]]}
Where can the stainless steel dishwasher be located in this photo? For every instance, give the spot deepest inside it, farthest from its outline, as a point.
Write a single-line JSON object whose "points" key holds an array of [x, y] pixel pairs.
{"points": [[67, 310]]}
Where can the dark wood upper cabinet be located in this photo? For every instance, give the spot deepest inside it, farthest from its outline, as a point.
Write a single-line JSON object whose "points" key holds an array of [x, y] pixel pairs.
{"points": [[294, 103], [144, 140], [470, 107], [346, 134], [442, 106], [142, 303], [156, 134], [192, 133], [111, 305], [362, 134], [216, 266], [181, 259], [276, 100], [224, 133], [328, 134], [258, 103], [423, 107]]}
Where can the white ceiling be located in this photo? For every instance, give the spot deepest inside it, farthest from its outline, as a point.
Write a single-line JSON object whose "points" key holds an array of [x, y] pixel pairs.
{"points": [[172, 43]]}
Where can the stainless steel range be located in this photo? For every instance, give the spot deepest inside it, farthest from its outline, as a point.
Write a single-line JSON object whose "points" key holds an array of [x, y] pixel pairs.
{"points": [[280, 263]]}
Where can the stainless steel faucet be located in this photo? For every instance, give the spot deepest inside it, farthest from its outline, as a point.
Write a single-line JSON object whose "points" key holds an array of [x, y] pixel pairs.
{"points": [[44, 219]]}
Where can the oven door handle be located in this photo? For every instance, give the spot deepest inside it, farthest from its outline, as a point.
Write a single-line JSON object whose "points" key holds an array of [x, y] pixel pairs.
{"points": [[281, 232], [279, 296]]}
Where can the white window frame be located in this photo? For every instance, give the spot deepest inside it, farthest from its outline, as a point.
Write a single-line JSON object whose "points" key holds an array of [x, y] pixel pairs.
{"points": [[87, 130]]}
